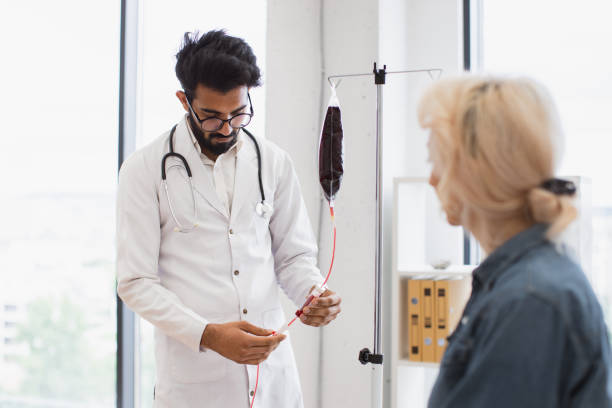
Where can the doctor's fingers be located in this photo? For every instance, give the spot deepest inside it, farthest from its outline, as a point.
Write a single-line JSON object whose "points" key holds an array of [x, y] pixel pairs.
{"points": [[322, 311], [317, 321], [251, 328], [326, 301], [258, 351], [252, 354], [266, 342], [255, 361], [251, 351], [255, 357]]}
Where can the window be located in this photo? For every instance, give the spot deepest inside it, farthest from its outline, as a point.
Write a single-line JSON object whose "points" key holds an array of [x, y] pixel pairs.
{"points": [[565, 46], [58, 155], [57, 246]]}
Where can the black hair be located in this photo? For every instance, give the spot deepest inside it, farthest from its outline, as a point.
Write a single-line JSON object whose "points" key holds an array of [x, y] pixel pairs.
{"points": [[216, 60]]}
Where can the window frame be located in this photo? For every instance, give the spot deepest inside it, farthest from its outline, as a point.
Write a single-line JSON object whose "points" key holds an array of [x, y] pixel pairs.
{"points": [[127, 386]]}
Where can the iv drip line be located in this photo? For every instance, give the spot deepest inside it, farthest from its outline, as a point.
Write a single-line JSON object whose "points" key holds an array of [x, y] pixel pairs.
{"points": [[310, 298]]}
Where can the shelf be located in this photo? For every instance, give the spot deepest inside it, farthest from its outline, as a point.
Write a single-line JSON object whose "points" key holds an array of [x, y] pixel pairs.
{"points": [[407, 363], [421, 237], [429, 272]]}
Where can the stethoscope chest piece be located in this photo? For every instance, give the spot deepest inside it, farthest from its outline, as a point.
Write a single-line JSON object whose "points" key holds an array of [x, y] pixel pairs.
{"points": [[263, 209]]}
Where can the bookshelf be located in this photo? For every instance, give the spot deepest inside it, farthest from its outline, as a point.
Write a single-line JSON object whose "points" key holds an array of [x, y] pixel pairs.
{"points": [[421, 238]]}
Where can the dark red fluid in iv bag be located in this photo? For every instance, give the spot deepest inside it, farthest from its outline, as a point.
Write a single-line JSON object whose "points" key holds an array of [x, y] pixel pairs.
{"points": [[330, 153]]}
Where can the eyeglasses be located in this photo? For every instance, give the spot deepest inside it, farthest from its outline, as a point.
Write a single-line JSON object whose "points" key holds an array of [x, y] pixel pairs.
{"points": [[214, 124]]}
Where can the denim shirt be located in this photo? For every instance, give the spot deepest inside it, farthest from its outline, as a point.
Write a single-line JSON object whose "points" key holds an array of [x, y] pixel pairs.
{"points": [[531, 335]]}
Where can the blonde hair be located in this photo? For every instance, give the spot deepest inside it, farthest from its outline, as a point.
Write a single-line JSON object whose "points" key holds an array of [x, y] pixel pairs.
{"points": [[494, 141]]}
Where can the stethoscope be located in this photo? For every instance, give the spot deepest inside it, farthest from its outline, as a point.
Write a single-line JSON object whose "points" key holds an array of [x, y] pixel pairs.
{"points": [[262, 208]]}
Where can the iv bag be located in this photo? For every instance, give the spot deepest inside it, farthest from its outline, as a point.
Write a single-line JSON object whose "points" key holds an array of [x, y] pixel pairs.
{"points": [[331, 149]]}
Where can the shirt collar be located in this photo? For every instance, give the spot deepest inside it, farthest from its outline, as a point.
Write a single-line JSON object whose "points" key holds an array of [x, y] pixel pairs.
{"points": [[505, 255], [236, 146]]}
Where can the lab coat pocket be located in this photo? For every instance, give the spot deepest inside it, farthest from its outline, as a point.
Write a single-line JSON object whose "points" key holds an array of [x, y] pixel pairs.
{"points": [[189, 367]]}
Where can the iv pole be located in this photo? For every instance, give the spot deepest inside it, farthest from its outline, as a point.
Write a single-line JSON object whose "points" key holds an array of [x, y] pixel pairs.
{"points": [[366, 356]]}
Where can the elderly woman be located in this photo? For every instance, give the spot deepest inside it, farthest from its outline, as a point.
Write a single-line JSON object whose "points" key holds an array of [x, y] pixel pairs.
{"points": [[532, 333]]}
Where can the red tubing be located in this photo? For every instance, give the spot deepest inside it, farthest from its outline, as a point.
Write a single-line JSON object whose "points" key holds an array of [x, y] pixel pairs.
{"points": [[331, 265], [310, 298], [256, 384]]}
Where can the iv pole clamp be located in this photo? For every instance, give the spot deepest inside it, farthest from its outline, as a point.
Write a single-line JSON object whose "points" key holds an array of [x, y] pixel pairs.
{"points": [[380, 75], [365, 355]]}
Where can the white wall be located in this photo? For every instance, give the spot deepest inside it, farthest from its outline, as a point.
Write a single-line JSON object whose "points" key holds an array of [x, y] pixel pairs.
{"points": [[402, 34], [351, 46], [292, 78]]}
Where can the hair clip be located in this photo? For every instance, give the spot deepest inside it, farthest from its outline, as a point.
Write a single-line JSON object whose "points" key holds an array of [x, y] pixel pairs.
{"points": [[559, 186]]}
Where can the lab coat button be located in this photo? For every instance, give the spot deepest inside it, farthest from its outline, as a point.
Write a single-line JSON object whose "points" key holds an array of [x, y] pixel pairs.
{"points": [[245, 311], [236, 273], [252, 393], [231, 231]]}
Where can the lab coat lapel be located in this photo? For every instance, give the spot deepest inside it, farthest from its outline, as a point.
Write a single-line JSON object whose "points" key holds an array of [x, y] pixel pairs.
{"points": [[201, 181], [246, 179]]}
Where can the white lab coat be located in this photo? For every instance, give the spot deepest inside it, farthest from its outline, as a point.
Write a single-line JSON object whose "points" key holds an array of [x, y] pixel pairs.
{"points": [[181, 281]]}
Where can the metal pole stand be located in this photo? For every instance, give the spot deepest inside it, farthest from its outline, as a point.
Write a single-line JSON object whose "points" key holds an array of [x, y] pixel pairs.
{"points": [[365, 356]]}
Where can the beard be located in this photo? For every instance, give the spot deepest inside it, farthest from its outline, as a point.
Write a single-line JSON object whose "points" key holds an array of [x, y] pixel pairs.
{"points": [[206, 141]]}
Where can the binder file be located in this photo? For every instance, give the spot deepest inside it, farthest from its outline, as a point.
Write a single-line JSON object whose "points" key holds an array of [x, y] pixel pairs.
{"points": [[429, 313], [413, 307], [441, 325], [404, 345], [450, 299]]}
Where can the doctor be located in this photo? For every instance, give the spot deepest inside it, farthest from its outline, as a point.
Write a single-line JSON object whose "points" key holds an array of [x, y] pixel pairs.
{"points": [[203, 262]]}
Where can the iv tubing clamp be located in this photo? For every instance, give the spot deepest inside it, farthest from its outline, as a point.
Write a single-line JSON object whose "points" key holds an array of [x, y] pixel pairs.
{"points": [[366, 356]]}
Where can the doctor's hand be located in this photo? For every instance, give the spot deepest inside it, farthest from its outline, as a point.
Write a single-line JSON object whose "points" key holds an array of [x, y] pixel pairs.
{"points": [[322, 310], [241, 342]]}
